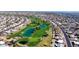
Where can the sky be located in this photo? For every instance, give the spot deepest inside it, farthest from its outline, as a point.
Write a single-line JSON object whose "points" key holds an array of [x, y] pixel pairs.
{"points": [[39, 5]]}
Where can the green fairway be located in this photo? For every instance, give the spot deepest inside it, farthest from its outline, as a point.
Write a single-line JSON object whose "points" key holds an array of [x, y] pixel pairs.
{"points": [[33, 41]]}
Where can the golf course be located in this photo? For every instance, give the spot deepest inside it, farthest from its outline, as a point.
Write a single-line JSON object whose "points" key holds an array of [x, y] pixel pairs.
{"points": [[33, 33]]}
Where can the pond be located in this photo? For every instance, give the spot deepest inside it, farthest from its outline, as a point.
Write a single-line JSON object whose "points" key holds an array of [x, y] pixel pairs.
{"points": [[42, 26], [28, 32]]}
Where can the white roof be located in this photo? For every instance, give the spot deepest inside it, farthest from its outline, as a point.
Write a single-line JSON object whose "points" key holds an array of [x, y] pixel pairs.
{"points": [[57, 37], [69, 31], [2, 42], [60, 41], [76, 42], [75, 38], [72, 35]]}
